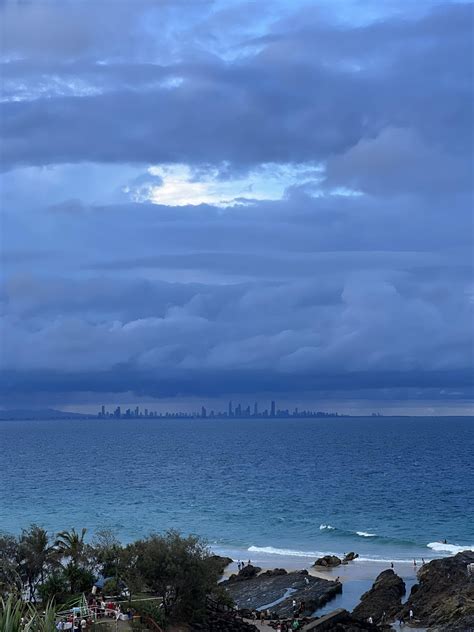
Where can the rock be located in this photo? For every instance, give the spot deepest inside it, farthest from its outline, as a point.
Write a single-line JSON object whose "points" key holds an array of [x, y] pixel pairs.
{"points": [[328, 561], [246, 572], [221, 562], [276, 591], [275, 572], [350, 557], [340, 621], [384, 596], [444, 595]]}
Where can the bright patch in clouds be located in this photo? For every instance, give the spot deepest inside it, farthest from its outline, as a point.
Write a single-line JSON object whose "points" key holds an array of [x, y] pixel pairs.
{"points": [[181, 186]]}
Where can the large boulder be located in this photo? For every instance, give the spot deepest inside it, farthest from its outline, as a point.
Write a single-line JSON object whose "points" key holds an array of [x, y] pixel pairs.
{"points": [[444, 594], [246, 572], [328, 561], [350, 557], [385, 596]]}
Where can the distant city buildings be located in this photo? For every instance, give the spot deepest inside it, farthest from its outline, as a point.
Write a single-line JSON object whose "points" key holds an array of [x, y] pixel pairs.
{"points": [[239, 412]]}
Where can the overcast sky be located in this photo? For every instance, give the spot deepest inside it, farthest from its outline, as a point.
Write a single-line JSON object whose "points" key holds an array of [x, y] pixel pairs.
{"points": [[211, 199]]}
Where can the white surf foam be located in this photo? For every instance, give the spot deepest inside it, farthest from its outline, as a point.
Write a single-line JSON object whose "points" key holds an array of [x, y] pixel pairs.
{"points": [[270, 550], [449, 548], [326, 527], [364, 534]]}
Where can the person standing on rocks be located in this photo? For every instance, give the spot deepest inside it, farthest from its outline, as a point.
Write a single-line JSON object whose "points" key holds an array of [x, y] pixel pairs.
{"points": [[411, 615]]}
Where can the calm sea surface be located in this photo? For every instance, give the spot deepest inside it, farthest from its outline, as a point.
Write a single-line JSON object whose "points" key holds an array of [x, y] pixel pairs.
{"points": [[391, 489]]}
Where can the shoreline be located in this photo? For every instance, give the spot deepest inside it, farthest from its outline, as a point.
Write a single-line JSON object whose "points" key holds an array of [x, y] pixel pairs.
{"points": [[356, 577]]}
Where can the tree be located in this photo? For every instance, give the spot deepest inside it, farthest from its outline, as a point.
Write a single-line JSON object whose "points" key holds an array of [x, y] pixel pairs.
{"points": [[10, 580], [70, 544], [36, 556], [77, 563], [106, 550], [178, 569], [55, 588]]}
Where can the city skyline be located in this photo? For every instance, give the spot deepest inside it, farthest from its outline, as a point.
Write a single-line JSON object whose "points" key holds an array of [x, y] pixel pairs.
{"points": [[237, 411]]}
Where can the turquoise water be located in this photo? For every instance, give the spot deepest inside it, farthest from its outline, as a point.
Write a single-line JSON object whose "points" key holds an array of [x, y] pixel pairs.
{"points": [[390, 489]]}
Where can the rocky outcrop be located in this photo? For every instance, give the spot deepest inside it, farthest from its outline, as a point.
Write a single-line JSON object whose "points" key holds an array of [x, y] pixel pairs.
{"points": [[246, 572], [443, 598], [328, 561], [276, 591], [385, 596], [221, 562], [221, 622], [339, 621], [350, 557]]}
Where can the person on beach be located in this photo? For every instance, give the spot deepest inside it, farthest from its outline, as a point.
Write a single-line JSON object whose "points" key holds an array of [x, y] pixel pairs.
{"points": [[414, 563], [422, 561], [294, 607], [262, 617], [306, 581], [391, 565], [410, 614], [370, 620]]}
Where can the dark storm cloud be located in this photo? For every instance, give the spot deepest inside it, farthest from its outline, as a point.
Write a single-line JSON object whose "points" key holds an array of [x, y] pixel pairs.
{"points": [[358, 278], [309, 93]]}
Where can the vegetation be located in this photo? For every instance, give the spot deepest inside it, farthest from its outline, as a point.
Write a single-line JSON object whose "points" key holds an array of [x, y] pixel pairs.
{"points": [[18, 616], [42, 567]]}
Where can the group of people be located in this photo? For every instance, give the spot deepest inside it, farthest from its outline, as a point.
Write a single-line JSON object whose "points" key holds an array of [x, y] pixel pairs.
{"points": [[80, 619], [401, 620], [282, 626], [241, 565]]}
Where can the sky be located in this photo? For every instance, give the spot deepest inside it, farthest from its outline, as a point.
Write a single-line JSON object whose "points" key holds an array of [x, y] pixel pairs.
{"points": [[214, 199]]}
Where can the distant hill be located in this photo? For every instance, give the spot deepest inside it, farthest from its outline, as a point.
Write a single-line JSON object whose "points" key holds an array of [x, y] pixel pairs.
{"points": [[42, 413]]}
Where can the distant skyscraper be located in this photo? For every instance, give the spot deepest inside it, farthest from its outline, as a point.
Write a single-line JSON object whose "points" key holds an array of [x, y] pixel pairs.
{"points": [[203, 412], [137, 411], [103, 410], [272, 411], [255, 409], [231, 411], [118, 412], [238, 410]]}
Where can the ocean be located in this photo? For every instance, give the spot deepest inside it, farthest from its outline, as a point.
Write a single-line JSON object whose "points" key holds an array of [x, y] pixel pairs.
{"points": [[391, 489]]}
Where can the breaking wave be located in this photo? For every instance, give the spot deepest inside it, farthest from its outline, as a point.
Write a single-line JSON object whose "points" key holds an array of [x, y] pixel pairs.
{"points": [[326, 527], [364, 534], [449, 548], [270, 550]]}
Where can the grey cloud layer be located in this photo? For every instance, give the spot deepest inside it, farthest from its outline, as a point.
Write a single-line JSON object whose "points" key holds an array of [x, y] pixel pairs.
{"points": [[310, 92], [318, 291]]}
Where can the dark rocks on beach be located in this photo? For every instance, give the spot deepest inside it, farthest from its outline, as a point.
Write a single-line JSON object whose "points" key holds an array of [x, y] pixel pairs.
{"points": [[216, 622], [340, 621], [246, 572], [276, 591], [350, 557], [221, 562], [328, 561], [443, 598], [385, 596]]}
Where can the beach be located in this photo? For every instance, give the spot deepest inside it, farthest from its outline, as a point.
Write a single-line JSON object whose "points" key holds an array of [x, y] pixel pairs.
{"points": [[356, 577]]}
